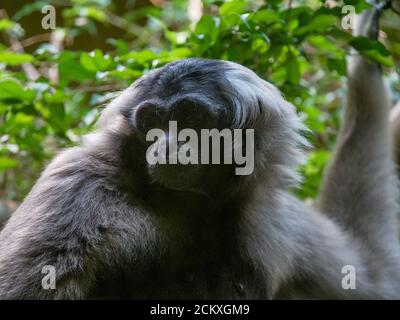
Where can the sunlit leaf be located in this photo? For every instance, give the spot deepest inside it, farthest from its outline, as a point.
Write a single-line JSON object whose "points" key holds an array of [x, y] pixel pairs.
{"points": [[11, 89], [264, 16], [319, 23], [96, 60], [12, 58], [232, 7], [7, 163], [5, 24]]}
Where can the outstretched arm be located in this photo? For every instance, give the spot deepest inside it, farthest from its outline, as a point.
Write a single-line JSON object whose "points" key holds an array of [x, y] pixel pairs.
{"points": [[360, 186]]}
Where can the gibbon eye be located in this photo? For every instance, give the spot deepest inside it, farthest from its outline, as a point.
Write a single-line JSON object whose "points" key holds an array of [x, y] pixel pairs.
{"points": [[148, 116], [191, 113]]}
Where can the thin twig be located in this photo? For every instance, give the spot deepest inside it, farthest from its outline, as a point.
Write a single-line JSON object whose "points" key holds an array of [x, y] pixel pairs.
{"points": [[44, 37]]}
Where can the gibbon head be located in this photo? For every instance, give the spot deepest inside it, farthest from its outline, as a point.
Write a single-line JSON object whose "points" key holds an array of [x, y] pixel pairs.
{"points": [[172, 109]]}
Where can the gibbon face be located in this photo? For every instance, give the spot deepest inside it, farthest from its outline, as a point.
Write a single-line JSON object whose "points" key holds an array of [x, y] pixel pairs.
{"points": [[209, 122]]}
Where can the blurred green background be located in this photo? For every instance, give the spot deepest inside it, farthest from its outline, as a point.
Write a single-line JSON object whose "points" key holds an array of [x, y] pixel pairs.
{"points": [[54, 83]]}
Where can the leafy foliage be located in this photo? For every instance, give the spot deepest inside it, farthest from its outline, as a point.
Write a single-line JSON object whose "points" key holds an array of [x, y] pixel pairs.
{"points": [[299, 46]]}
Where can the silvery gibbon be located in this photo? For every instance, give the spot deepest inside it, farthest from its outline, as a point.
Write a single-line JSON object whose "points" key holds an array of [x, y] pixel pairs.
{"points": [[114, 226]]}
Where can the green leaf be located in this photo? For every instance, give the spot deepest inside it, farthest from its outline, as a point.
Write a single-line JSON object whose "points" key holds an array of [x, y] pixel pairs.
{"points": [[208, 26], [375, 56], [363, 43], [96, 61], [316, 162], [140, 56], [5, 24], [320, 23], [179, 53], [322, 43], [122, 46], [231, 21], [94, 13], [11, 89], [372, 50], [232, 7], [12, 58], [293, 71], [71, 70], [7, 163], [264, 16], [338, 65], [278, 76], [23, 119], [125, 73]]}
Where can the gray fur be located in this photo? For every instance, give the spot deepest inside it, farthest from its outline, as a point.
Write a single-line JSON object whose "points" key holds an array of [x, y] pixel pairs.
{"points": [[112, 230]]}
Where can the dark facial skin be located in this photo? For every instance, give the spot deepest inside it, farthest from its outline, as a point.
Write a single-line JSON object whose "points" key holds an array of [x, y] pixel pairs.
{"points": [[177, 86]]}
